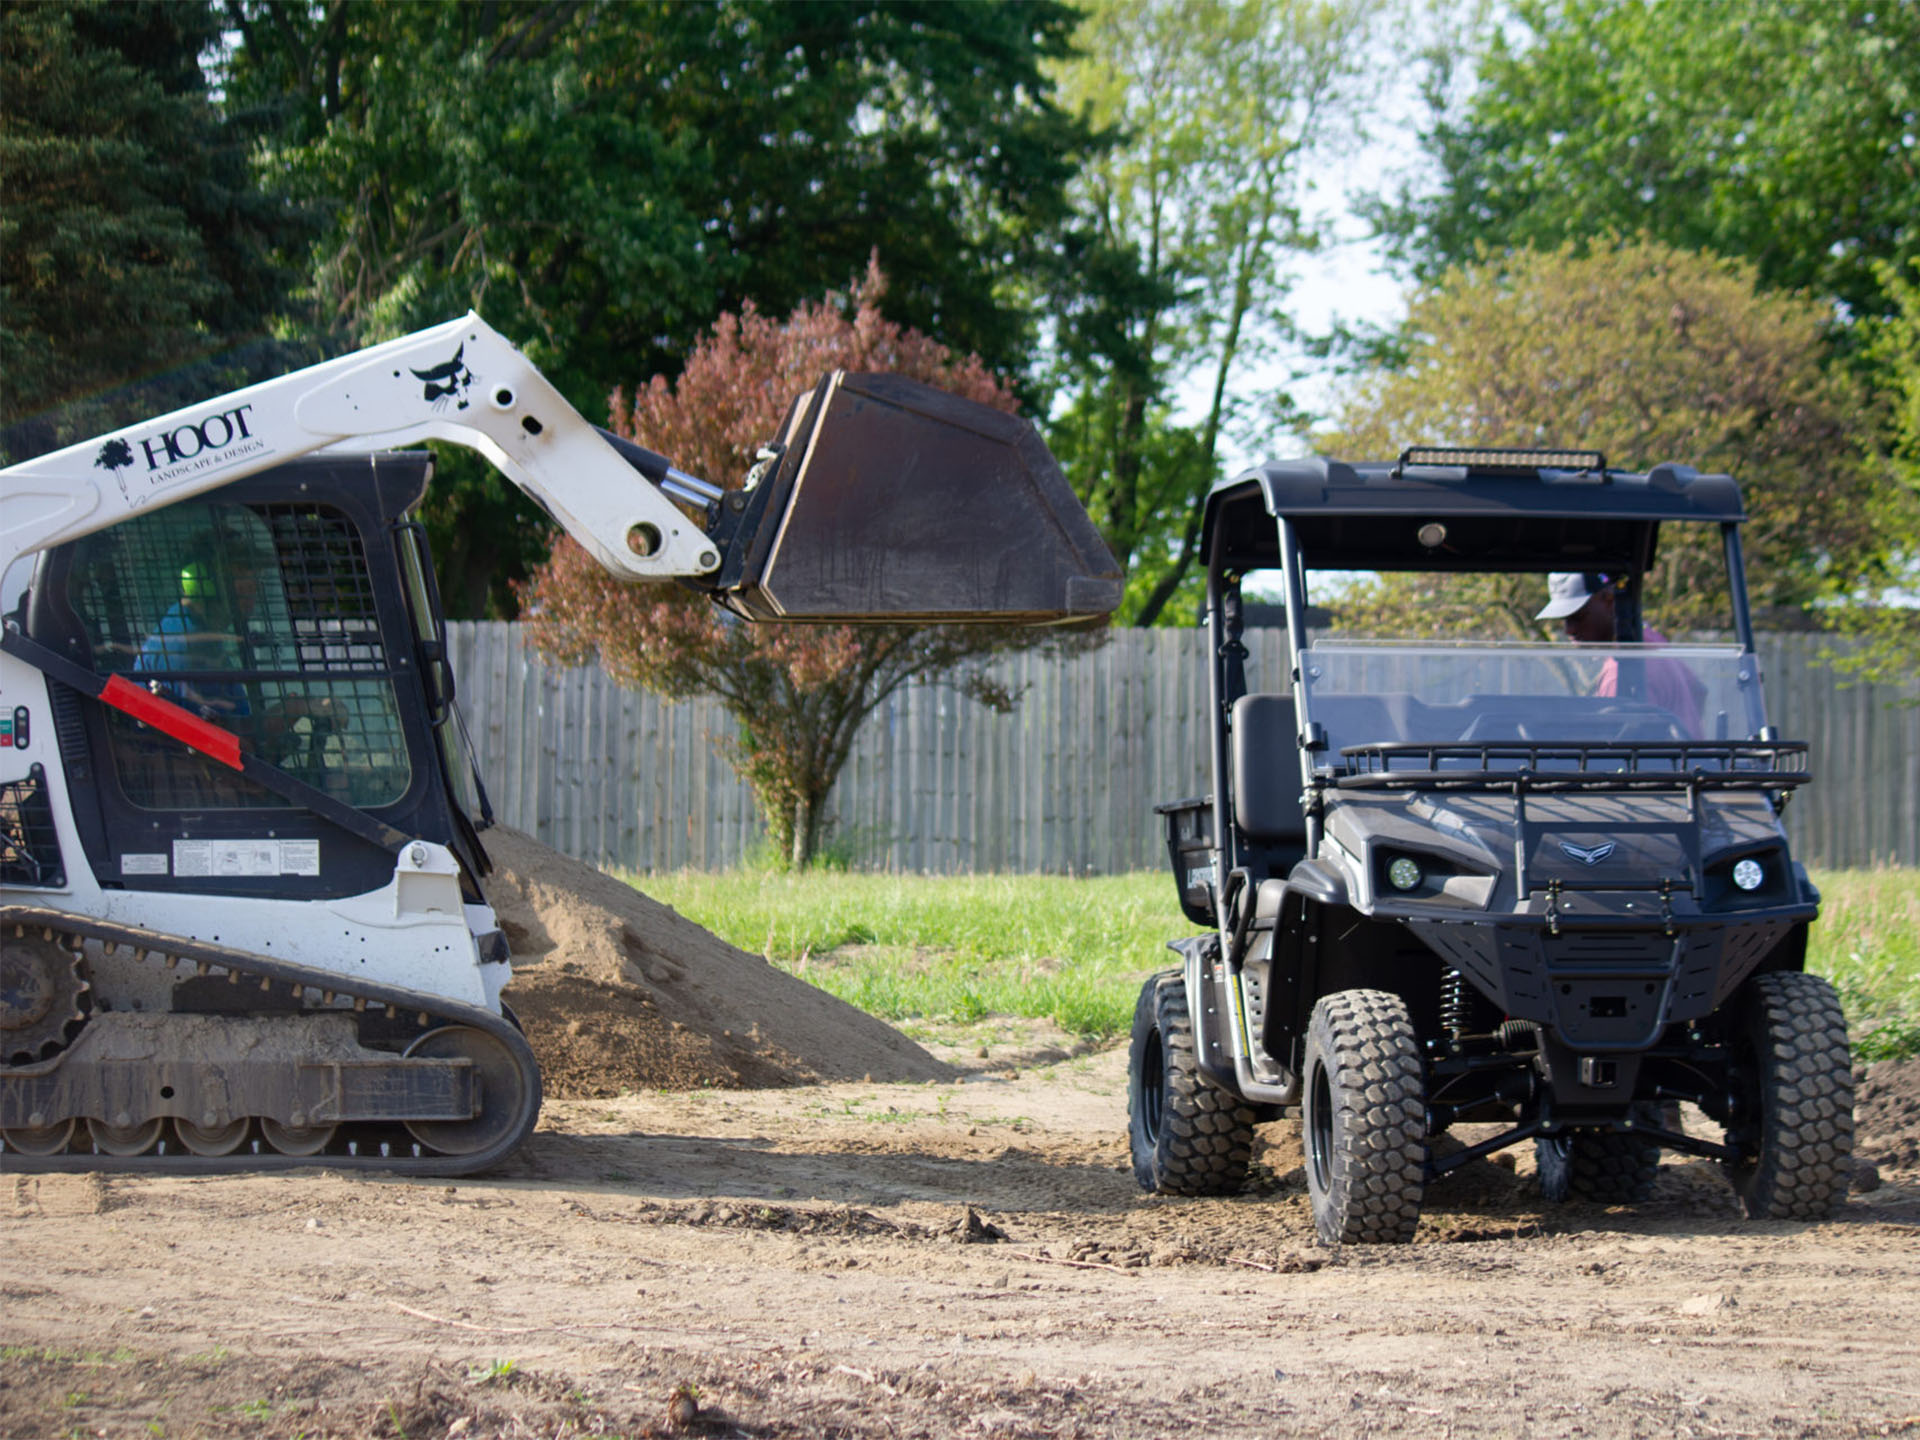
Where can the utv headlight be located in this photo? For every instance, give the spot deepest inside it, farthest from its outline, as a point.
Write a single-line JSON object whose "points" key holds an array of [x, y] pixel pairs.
{"points": [[1404, 873], [1749, 874]]}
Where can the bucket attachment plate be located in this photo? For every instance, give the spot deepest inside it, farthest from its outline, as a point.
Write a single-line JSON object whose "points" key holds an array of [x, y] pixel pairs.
{"points": [[891, 500]]}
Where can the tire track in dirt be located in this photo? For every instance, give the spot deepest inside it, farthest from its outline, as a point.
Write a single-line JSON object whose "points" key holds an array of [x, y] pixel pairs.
{"points": [[802, 1257]]}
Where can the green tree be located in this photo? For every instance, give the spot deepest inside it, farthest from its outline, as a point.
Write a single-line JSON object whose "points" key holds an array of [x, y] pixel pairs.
{"points": [[924, 130], [798, 692], [1786, 132], [601, 179], [1193, 213], [483, 157], [1885, 613], [1646, 353], [134, 244], [1896, 344]]}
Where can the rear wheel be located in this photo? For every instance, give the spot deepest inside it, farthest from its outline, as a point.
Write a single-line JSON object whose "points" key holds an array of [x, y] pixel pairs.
{"points": [[1795, 1127], [1602, 1167], [1363, 1123], [1187, 1138]]}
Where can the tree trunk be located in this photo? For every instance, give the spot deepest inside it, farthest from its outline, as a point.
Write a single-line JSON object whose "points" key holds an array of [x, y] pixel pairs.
{"points": [[801, 853]]}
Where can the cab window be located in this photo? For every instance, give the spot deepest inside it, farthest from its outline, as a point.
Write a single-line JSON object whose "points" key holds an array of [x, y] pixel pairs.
{"points": [[260, 619]]}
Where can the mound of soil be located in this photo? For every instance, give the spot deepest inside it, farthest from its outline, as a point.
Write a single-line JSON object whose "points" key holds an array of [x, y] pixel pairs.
{"points": [[1886, 1114], [620, 993]]}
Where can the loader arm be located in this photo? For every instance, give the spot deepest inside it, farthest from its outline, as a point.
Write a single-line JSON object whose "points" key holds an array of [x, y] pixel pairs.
{"points": [[461, 382], [881, 499]]}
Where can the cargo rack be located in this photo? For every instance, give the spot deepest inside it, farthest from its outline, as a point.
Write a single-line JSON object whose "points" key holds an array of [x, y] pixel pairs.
{"points": [[1519, 765]]}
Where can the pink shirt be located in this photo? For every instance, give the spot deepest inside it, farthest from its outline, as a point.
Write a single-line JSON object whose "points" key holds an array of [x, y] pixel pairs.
{"points": [[1670, 685]]}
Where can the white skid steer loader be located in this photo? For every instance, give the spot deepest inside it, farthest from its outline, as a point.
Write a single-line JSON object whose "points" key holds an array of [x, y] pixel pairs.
{"points": [[241, 913]]}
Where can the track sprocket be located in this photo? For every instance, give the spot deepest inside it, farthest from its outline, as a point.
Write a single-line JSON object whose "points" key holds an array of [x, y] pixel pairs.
{"points": [[43, 997]]}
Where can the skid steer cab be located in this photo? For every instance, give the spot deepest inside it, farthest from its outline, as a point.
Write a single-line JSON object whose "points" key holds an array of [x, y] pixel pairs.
{"points": [[242, 912], [1537, 888]]}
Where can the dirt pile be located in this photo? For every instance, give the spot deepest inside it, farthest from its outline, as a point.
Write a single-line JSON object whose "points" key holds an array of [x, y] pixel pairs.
{"points": [[619, 993], [1886, 1114]]}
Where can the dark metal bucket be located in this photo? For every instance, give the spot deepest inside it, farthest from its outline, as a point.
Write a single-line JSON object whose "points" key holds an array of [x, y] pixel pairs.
{"points": [[891, 500]]}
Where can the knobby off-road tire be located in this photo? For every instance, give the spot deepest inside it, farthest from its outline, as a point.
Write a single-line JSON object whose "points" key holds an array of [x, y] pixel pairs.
{"points": [[1187, 1138], [1363, 1123], [1798, 1131], [1603, 1167]]}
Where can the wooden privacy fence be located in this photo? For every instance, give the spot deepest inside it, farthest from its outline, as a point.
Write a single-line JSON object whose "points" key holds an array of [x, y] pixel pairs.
{"points": [[1067, 783]]}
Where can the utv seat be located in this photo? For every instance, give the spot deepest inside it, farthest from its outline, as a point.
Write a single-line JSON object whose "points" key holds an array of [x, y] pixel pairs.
{"points": [[1266, 779]]}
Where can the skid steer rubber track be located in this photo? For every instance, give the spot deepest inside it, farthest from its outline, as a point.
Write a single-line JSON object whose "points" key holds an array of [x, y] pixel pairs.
{"points": [[277, 1066]]}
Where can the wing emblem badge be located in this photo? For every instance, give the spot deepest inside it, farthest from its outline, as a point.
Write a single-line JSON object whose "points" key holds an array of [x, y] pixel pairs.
{"points": [[1588, 855]]}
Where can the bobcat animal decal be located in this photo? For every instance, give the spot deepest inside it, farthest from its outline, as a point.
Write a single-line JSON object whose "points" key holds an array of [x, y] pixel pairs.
{"points": [[448, 381]]}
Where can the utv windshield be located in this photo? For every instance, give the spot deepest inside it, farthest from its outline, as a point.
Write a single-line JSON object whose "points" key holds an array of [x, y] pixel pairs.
{"points": [[1433, 692]]}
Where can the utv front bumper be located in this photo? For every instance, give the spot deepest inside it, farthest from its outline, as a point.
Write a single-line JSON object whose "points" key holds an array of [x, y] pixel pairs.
{"points": [[1654, 937], [1608, 990]]}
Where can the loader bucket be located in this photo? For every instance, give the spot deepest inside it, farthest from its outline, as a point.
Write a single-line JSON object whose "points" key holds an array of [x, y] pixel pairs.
{"points": [[891, 500]]}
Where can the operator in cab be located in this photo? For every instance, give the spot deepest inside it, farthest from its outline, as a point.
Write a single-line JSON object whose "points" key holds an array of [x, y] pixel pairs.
{"points": [[206, 636], [1584, 604], [201, 632]]}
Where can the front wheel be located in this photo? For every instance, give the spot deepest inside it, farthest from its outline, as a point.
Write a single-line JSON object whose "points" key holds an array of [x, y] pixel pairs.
{"points": [[1363, 1123], [1187, 1138], [1795, 1126]]}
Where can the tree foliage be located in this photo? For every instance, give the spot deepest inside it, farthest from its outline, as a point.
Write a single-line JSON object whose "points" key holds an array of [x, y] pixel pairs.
{"points": [[601, 179], [1646, 353], [134, 245], [1785, 132], [798, 693], [1885, 613], [1182, 268]]}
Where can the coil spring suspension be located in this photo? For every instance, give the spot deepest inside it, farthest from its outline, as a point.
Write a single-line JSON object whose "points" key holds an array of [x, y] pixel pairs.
{"points": [[1456, 1003]]}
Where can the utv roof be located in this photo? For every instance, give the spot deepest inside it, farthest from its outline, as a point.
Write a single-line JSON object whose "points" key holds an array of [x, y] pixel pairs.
{"points": [[1438, 509]]}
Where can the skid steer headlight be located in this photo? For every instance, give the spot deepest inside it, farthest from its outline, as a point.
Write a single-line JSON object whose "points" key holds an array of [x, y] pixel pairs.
{"points": [[1749, 874], [1404, 873]]}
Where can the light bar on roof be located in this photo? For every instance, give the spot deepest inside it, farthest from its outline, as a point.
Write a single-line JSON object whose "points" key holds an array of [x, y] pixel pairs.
{"points": [[1508, 460]]}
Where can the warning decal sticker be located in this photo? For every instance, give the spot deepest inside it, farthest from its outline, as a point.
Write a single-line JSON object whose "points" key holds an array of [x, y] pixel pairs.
{"points": [[244, 859]]}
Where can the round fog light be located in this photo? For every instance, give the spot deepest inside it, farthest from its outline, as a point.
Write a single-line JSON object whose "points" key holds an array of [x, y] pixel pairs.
{"points": [[1747, 874], [1404, 874]]}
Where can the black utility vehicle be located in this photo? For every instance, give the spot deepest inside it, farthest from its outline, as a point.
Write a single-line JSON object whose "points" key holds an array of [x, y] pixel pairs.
{"points": [[1534, 884]]}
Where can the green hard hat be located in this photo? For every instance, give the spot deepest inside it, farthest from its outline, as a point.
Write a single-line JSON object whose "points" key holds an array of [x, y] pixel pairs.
{"points": [[195, 582]]}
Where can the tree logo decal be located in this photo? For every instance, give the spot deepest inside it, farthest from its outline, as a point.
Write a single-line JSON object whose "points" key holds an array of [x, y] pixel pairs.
{"points": [[114, 455], [448, 381]]}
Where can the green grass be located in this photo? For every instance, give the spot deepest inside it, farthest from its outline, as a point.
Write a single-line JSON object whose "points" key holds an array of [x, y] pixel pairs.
{"points": [[1867, 942], [959, 948], [949, 948], [487, 1373]]}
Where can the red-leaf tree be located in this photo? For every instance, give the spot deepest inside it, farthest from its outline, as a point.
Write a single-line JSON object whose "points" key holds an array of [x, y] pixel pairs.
{"points": [[798, 692]]}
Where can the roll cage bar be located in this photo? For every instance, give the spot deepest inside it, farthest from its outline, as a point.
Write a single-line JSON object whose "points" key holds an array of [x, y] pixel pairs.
{"points": [[1484, 511]]}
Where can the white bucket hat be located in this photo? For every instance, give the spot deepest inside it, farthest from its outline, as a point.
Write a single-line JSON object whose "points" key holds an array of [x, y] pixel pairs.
{"points": [[1569, 591]]}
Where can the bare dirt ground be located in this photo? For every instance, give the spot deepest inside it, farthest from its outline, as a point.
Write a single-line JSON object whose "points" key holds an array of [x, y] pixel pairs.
{"points": [[807, 1225], [945, 1259]]}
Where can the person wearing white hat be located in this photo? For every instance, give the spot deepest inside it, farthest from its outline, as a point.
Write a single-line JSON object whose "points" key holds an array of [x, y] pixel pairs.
{"points": [[1583, 603]]}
